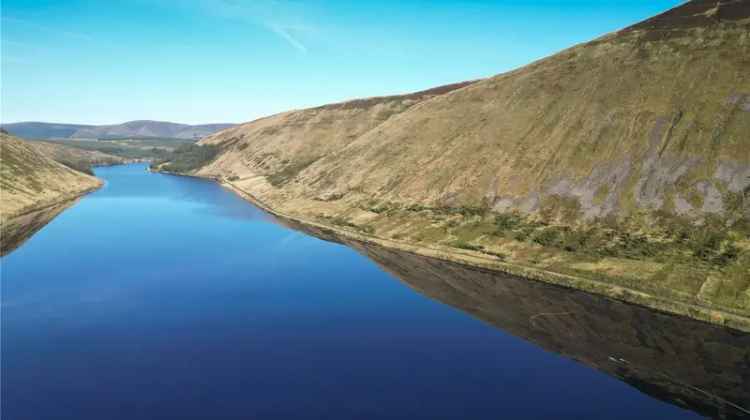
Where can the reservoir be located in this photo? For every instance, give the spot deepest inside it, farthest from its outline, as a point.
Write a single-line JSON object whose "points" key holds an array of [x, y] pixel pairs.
{"points": [[160, 296]]}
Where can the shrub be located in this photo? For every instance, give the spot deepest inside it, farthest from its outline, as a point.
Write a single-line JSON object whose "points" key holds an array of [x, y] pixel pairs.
{"points": [[416, 208], [507, 221], [464, 245], [549, 237], [189, 157]]}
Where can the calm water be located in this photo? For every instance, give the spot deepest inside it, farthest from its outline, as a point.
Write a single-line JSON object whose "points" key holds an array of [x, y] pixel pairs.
{"points": [[169, 297]]}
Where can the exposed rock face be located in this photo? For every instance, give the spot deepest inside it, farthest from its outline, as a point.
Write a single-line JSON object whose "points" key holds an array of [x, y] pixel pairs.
{"points": [[30, 180]]}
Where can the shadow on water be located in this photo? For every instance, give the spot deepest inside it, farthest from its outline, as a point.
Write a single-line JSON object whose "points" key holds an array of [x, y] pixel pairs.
{"points": [[691, 364]]}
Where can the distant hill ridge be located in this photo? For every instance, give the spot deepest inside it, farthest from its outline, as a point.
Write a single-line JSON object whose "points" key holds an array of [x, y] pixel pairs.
{"points": [[138, 128]]}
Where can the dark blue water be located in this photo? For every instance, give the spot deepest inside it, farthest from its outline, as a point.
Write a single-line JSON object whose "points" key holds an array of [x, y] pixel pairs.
{"points": [[168, 297]]}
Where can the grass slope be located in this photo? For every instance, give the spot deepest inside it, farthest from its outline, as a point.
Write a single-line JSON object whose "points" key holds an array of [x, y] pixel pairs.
{"points": [[79, 159], [31, 180]]}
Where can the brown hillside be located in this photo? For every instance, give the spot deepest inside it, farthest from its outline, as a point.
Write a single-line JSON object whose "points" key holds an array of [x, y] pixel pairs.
{"points": [[75, 158], [30, 180], [627, 122]]}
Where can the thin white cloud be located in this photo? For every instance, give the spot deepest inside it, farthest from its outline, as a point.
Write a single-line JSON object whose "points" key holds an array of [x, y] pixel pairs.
{"points": [[285, 35], [285, 19]]}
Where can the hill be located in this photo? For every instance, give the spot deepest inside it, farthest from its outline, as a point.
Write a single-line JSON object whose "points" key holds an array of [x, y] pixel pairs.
{"points": [[79, 159], [622, 161], [131, 129], [145, 128], [42, 130], [31, 180]]}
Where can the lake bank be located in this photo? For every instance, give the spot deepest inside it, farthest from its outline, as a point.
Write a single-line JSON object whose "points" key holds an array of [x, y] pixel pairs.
{"points": [[694, 310]]}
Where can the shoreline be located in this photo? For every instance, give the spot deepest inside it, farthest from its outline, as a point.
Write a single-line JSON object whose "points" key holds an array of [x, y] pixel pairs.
{"points": [[472, 259], [67, 197], [47, 204]]}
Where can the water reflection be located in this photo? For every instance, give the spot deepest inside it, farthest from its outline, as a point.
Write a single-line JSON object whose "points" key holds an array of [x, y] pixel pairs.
{"points": [[15, 231], [694, 365], [213, 201]]}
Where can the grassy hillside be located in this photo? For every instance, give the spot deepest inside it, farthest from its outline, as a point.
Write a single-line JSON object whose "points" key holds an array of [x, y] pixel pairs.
{"points": [[31, 180], [146, 128], [129, 149], [283, 145], [625, 160], [79, 159]]}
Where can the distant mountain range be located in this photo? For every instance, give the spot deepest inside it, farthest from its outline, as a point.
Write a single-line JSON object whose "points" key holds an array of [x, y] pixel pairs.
{"points": [[140, 128]]}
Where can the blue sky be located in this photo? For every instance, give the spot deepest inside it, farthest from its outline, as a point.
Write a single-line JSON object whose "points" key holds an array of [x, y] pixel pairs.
{"points": [[199, 61]]}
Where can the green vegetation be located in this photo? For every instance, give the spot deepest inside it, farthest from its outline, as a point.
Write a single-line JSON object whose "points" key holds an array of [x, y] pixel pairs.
{"points": [[507, 221], [343, 222], [146, 149], [710, 244], [78, 166], [188, 157], [464, 245], [670, 256]]}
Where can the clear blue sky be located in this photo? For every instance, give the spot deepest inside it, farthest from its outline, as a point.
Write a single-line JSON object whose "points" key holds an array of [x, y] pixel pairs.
{"points": [[196, 61]]}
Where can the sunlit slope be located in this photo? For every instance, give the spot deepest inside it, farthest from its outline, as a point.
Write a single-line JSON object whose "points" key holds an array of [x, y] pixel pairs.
{"points": [[79, 159], [656, 116], [641, 119], [284, 145], [623, 161], [30, 179]]}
